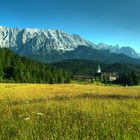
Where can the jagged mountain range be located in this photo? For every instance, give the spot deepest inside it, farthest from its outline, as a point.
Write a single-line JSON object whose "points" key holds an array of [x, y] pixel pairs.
{"points": [[54, 45], [39, 41]]}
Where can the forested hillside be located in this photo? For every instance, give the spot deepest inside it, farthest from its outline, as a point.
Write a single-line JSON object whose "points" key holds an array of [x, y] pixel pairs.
{"points": [[19, 69], [90, 67]]}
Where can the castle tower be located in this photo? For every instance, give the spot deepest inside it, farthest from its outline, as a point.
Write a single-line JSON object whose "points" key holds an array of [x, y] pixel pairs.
{"points": [[99, 69]]}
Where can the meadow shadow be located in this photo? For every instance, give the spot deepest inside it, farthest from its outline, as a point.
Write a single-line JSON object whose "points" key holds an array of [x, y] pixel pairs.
{"points": [[95, 96]]}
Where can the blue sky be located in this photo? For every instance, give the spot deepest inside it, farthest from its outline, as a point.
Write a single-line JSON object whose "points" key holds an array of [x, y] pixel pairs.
{"points": [[108, 21]]}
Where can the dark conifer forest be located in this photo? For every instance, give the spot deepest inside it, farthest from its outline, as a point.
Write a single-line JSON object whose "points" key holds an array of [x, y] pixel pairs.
{"points": [[14, 68]]}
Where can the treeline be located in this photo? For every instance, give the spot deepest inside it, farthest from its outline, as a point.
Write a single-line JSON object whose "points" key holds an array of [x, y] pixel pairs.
{"points": [[129, 78], [22, 70]]}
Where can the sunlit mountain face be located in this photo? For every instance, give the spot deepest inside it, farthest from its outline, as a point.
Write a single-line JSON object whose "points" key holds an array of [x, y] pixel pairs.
{"points": [[31, 42]]}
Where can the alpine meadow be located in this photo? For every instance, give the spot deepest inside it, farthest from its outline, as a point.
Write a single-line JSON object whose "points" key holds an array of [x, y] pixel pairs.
{"points": [[69, 70], [69, 112]]}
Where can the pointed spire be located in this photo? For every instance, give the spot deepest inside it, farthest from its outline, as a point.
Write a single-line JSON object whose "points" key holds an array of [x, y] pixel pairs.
{"points": [[99, 69]]}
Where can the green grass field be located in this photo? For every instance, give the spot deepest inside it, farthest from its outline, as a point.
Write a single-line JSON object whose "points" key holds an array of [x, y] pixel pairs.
{"points": [[69, 112]]}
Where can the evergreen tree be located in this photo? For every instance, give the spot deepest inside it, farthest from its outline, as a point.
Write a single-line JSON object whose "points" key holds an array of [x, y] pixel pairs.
{"points": [[129, 78], [1, 71]]}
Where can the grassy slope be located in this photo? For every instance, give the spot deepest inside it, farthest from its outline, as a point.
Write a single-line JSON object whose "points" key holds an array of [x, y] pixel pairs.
{"points": [[42, 112]]}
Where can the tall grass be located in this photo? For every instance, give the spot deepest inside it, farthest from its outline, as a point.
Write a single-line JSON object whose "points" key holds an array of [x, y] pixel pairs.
{"points": [[69, 112]]}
